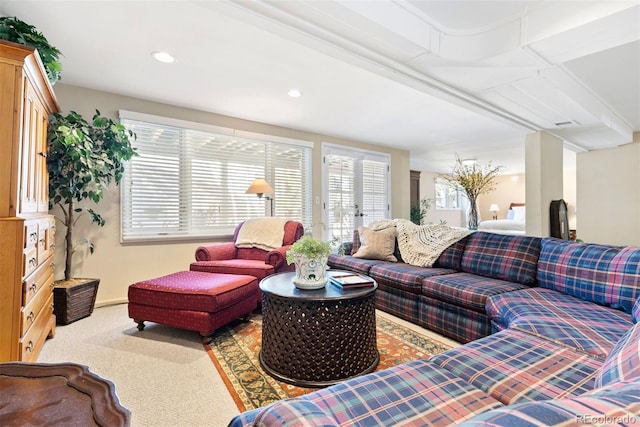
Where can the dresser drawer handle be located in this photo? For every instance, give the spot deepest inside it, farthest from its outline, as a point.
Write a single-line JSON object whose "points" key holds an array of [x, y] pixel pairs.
{"points": [[31, 317], [52, 285], [33, 262], [33, 288], [51, 307], [41, 242], [52, 246], [33, 237], [29, 347]]}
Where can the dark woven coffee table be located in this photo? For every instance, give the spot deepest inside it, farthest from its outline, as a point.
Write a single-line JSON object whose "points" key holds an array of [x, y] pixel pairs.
{"points": [[315, 338]]}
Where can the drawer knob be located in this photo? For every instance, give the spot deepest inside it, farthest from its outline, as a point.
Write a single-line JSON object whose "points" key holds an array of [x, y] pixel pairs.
{"points": [[29, 347], [34, 287], [31, 317], [32, 262]]}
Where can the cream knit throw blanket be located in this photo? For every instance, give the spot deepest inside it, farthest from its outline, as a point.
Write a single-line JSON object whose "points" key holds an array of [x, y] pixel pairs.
{"points": [[263, 233], [421, 245]]}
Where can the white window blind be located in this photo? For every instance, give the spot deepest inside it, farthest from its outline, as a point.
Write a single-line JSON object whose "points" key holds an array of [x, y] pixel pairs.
{"points": [[356, 189], [189, 181]]}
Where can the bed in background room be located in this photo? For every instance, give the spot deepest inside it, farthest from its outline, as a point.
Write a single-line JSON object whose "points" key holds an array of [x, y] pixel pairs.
{"points": [[514, 224]]}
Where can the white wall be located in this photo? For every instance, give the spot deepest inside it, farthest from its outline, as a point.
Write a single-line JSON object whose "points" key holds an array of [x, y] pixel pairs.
{"points": [[119, 265], [608, 195], [509, 189]]}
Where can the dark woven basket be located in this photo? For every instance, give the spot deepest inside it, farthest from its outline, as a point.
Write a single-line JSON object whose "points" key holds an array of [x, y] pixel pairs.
{"points": [[74, 301]]}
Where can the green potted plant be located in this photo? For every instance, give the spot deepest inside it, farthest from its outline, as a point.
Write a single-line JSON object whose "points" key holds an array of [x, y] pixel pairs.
{"points": [[420, 211], [84, 158], [310, 258], [17, 31]]}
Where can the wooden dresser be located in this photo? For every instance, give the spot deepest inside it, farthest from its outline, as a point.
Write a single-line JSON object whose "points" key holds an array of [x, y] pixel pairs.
{"points": [[26, 228]]}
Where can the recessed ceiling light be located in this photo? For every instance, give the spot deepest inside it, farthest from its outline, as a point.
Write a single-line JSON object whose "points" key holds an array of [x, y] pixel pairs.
{"points": [[294, 93], [163, 57]]}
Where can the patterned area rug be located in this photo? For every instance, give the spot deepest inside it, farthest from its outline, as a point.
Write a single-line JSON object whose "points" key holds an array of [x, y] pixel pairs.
{"points": [[235, 350]]}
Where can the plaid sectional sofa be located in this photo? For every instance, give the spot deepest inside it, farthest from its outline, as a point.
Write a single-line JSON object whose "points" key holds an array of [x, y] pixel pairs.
{"points": [[553, 339], [450, 297]]}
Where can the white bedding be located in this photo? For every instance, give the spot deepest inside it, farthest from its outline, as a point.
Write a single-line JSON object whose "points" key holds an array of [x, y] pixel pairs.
{"points": [[504, 226]]}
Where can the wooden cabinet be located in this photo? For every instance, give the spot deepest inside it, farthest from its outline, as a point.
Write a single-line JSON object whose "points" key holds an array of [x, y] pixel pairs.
{"points": [[26, 228]]}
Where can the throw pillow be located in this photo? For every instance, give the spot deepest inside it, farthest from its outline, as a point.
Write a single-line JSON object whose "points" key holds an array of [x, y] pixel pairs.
{"points": [[377, 244]]}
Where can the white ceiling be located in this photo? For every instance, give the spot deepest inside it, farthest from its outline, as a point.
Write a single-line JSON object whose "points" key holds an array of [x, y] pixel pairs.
{"points": [[433, 77]]}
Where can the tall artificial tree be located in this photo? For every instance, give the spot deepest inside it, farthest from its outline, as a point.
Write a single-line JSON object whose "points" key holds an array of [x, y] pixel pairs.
{"points": [[84, 158]]}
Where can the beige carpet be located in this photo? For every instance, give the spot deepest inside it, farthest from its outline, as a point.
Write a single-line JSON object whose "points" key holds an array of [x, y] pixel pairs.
{"points": [[162, 375]]}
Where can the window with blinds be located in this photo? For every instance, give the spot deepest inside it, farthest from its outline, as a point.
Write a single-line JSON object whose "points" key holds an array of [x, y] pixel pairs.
{"points": [[190, 180], [356, 189]]}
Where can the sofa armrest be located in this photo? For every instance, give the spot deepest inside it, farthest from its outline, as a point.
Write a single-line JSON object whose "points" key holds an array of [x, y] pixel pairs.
{"points": [[345, 248], [295, 412], [278, 257], [216, 251]]}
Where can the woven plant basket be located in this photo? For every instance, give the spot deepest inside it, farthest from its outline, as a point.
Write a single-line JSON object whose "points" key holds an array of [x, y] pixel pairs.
{"points": [[74, 299]]}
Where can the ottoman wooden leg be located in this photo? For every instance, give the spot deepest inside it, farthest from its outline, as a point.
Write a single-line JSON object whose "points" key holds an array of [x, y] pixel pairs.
{"points": [[207, 338], [140, 324]]}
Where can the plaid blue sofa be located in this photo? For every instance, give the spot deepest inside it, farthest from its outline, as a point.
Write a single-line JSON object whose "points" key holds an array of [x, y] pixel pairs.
{"points": [[562, 345], [510, 378], [450, 297]]}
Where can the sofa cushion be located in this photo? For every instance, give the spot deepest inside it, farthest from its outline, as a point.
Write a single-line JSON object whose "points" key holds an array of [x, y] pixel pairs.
{"points": [[255, 268], [377, 244], [561, 318], [350, 263], [451, 320], [614, 405], [608, 275], [501, 256], [452, 256], [466, 290], [516, 367], [356, 242], [623, 363], [404, 276], [294, 413], [414, 393]]}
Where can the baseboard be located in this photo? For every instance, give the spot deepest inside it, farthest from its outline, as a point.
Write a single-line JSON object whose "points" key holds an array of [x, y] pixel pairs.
{"points": [[104, 303]]}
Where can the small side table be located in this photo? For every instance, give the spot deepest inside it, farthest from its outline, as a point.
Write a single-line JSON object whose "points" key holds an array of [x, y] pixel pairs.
{"points": [[57, 394], [315, 338]]}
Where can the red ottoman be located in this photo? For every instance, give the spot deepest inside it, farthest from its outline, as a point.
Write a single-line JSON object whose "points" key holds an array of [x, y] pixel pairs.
{"points": [[193, 300]]}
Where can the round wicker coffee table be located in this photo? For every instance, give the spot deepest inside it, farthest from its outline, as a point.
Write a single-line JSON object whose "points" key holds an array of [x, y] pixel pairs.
{"points": [[315, 338]]}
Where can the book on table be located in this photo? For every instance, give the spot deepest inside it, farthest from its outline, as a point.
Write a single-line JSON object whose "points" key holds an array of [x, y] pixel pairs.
{"points": [[352, 280]]}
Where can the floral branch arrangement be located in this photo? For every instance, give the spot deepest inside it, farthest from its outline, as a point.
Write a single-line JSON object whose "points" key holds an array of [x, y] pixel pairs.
{"points": [[474, 179]]}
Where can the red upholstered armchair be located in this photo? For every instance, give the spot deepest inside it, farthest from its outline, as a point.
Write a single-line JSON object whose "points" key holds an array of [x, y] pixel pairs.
{"points": [[228, 258]]}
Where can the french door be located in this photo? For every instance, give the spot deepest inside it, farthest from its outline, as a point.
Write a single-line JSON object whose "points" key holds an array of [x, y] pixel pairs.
{"points": [[355, 189]]}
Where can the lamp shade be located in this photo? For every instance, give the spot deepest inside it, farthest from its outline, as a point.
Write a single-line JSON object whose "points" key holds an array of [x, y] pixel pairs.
{"points": [[494, 208], [259, 186]]}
